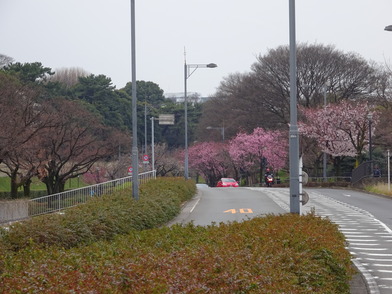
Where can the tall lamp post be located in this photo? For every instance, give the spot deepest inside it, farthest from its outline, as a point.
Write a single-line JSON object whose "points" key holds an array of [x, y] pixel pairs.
{"points": [[187, 74], [389, 29], [325, 154], [293, 132], [135, 163], [370, 118]]}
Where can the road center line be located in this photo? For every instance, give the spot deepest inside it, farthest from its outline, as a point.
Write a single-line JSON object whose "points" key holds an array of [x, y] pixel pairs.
{"points": [[194, 206]]}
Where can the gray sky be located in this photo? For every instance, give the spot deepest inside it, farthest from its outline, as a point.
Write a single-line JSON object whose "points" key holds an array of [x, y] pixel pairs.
{"points": [[95, 35]]}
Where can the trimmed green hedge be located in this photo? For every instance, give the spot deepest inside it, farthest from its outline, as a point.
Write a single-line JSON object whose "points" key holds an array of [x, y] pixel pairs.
{"points": [[103, 217], [273, 254]]}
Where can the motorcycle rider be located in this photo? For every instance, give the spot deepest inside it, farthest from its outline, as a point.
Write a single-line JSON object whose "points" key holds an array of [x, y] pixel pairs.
{"points": [[267, 173]]}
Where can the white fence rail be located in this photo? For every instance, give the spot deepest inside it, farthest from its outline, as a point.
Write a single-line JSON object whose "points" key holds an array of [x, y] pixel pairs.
{"points": [[67, 199]]}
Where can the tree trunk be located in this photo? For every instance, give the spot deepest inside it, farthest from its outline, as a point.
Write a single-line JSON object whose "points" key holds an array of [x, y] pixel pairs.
{"points": [[14, 188], [27, 188], [14, 184], [261, 172]]}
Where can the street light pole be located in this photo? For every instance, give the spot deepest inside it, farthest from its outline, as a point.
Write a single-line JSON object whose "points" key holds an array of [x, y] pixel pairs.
{"points": [[370, 117], [135, 163], [325, 154], [389, 29], [389, 171], [145, 127], [186, 76], [152, 145], [293, 132], [186, 175]]}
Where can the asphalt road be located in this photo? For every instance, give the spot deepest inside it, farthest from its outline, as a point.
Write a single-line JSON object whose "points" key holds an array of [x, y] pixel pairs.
{"points": [[216, 205], [365, 220]]}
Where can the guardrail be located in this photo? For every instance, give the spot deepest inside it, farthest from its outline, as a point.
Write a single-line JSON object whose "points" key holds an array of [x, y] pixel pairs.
{"points": [[330, 179], [59, 201]]}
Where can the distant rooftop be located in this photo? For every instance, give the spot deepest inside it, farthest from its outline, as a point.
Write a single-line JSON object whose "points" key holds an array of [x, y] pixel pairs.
{"points": [[193, 97]]}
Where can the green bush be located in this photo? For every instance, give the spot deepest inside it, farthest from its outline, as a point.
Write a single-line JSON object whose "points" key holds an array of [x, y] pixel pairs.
{"points": [[273, 254], [103, 217]]}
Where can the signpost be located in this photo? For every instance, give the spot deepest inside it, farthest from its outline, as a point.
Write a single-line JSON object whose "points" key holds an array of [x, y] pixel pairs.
{"points": [[166, 119]]}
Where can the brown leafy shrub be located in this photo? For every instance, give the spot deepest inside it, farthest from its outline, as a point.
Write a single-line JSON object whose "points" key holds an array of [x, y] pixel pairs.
{"points": [[274, 254]]}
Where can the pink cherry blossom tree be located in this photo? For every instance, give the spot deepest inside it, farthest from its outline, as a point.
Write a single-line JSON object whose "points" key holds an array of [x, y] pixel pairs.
{"points": [[340, 129], [210, 159], [249, 151]]}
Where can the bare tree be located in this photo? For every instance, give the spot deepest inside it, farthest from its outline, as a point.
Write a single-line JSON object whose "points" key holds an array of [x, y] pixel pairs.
{"points": [[167, 162], [21, 165], [22, 121], [21, 117], [261, 98], [5, 60], [234, 107], [75, 142]]}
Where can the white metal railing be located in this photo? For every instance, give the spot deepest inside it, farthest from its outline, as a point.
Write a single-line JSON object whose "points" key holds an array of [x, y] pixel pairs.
{"points": [[67, 199]]}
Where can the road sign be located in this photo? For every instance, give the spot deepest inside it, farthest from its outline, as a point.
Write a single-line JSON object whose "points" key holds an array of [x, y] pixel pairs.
{"points": [[166, 119], [145, 158], [305, 178], [130, 170], [305, 198]]}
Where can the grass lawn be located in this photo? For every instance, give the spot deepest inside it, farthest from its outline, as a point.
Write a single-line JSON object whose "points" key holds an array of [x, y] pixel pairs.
{"points": [[37, 185]]}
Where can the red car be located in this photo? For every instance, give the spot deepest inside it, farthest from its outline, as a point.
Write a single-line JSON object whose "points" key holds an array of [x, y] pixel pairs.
{"points": [[227, 182]]}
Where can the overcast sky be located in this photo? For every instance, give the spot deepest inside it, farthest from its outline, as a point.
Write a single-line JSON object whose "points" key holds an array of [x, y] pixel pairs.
{"points": [[95, 35]]}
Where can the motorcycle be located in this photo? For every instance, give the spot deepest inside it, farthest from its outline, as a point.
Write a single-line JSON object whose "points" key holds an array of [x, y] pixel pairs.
{"points": [[269, 180]]}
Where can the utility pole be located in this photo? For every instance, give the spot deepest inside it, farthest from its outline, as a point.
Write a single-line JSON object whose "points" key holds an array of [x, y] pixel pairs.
{"points": [[135, 163], [293, 132]]}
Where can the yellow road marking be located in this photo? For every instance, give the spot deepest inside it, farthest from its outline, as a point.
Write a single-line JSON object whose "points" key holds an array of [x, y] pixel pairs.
{"points": [[241, 210]]}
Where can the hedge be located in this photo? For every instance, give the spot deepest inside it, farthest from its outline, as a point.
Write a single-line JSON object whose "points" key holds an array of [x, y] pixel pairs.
{"points": [[273, 254], [104, 217]]}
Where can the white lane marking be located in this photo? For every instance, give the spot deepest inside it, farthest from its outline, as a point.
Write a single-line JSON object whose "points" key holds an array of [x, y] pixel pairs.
{"points": [[378, 254], [370, 249], [352, 235], [363, 244], [194, 206], [379, 259], [361, 240]]}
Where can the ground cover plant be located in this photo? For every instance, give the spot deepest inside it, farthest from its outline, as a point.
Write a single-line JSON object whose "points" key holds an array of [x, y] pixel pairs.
{"points": [[379, 188], [273, 254]]}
